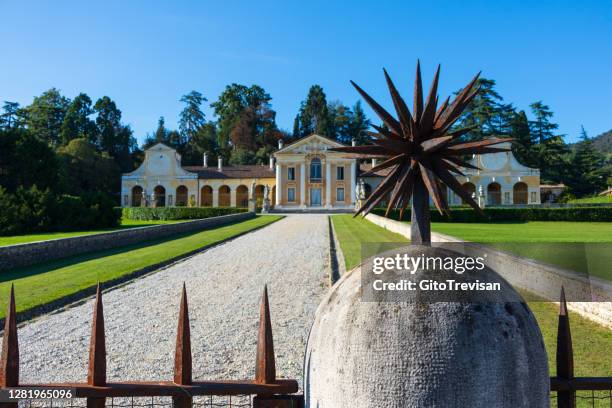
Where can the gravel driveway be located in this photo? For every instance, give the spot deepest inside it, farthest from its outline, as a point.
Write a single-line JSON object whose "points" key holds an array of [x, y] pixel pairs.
{"points": [[224, 285]]}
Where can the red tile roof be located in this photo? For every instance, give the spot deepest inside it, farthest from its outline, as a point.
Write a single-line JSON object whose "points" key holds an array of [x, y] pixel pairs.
{"points": [[233, 172]]}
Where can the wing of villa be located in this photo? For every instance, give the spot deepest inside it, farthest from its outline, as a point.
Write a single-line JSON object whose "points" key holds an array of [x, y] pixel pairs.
{"points": [[304, 175]]}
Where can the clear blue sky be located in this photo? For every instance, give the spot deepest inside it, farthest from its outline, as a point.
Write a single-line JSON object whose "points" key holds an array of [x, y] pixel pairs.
{"points": [[146, 54]]}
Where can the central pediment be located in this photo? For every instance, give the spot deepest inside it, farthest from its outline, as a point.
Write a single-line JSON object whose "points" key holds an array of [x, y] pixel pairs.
{"points": [[308, 145]]}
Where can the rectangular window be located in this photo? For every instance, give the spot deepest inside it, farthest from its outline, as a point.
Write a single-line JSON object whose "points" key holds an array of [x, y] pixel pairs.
{"points": [[340, 194], [340, 173], [291, 173], [291, 194], [533, 196]]}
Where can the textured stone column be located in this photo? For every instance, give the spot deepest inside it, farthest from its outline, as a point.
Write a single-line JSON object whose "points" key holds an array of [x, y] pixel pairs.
{"points": [[353, 177], [279, 187], [215, 197], [232, 197], [303, 184], [328, 184]]}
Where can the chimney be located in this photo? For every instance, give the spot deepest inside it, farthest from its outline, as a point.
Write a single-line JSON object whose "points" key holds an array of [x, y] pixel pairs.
{"points": [[205, 160], [374, 162], [353, 142], [271, 162], [220, 163], [280, 144]]}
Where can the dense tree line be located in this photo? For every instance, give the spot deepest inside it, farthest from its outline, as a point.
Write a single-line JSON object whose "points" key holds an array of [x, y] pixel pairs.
{"points": [[73, 147], [244, 129]]}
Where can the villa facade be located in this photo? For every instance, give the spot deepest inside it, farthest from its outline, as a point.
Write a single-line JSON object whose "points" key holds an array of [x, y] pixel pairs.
{"points": [[305, 175]]}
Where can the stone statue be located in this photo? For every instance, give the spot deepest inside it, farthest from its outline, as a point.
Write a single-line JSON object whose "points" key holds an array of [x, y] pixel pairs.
{"points": [[253, 185], [266, 191]]}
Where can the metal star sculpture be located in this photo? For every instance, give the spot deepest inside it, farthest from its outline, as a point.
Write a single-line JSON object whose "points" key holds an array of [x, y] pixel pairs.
{"points": [[422, 152]]}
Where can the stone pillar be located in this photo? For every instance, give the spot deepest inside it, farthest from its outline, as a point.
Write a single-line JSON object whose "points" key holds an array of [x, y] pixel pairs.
{"points": [[215, 194], [328, 184], [232, 197], [279, 187], [353, 180], [303, 184]]}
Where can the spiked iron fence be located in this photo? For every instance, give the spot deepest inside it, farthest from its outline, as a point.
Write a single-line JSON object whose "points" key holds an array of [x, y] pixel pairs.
{"points": [[575, 391], [266, 390]]}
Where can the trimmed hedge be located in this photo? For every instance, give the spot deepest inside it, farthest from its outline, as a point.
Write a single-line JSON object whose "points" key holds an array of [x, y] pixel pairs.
{"points": [[514, 214], [177, 213], [33, 210]]}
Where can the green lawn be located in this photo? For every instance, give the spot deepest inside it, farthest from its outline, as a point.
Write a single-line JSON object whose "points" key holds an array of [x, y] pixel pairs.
{"points": [[592, 200], [592, 342], [41, 284], [22, 239], [554, 242], [532, 231], [352, 232]]}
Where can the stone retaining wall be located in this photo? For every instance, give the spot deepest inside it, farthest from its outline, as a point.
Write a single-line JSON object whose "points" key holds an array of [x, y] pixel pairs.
{"points": [[21, 255], [539, 278]]}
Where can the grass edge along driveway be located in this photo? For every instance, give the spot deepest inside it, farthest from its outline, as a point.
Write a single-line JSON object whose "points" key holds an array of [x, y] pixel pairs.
{"points": [[592, 342], [42, 284], [46, 236]]}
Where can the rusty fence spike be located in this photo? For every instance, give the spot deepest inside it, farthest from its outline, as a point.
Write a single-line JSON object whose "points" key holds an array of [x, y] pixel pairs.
{"points": [[565, 354], [9, 377], [96, 374], [182, 356], [265, 370]]}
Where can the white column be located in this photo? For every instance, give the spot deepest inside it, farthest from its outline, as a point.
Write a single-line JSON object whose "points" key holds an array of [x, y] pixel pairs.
{"points": [[279, 187], [215, 194], [232, 197], [303, 184], [327, 184], [353, 180]]}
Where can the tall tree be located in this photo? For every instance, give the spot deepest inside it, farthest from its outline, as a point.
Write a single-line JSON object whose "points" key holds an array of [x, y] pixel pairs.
{"points": [[44, 117], [191, 118], [358, 124], [314, 114], [524, 147], [587, 171], [246, 119], [486, 113], [9, 119], [161, 133], [113, 137], [77, 122], [552, 152]]}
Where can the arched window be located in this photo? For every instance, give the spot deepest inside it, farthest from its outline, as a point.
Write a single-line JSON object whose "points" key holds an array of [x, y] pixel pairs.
{"points": [[519, 193], [181, 196], [494, 194], [136, 196], [160, 196], [315, 169], [224, 196], [206, 196], [242, 196], [471, 190]]}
